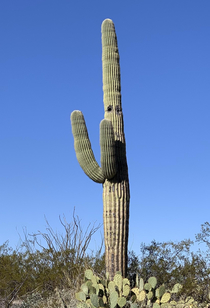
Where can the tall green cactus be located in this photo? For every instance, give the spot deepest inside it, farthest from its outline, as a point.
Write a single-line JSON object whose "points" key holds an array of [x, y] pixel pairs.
{"points": [[113, 173]]}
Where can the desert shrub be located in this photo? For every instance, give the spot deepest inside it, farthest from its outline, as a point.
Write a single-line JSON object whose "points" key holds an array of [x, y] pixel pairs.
{"points": [[59, 262], [48, 267]]}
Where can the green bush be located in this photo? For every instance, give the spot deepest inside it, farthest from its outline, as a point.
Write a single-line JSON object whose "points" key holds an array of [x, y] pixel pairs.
{"points": [[52, 272]]}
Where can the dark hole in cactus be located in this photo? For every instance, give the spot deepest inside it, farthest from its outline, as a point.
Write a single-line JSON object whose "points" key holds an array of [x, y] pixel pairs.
{"points": [[109, 108], [118, 110]]}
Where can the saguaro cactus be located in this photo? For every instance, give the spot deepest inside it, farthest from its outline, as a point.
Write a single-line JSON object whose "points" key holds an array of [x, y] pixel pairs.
{"points": [[113, 173]]}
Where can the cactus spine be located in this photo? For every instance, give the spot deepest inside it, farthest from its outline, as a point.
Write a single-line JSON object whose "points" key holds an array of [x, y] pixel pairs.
{"points": [[113, 173]]}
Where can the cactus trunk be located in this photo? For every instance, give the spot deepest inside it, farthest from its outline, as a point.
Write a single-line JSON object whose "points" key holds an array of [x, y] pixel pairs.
{"points": [[113, 173], [115, 191]]}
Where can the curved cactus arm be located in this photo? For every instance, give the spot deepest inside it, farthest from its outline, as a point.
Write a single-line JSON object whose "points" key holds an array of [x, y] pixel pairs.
{"points": [[107, 143], [83, 148]]}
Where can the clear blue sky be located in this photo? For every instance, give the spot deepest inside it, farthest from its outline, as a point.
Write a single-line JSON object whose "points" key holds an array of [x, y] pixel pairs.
{"points": [[50, 65]]}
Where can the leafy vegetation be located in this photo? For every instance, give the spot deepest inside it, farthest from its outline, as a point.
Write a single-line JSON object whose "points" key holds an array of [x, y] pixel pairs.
{"points": [[41, 268], [49, 274]]}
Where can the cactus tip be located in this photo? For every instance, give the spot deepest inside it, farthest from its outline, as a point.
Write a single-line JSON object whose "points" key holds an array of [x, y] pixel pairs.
{"points": [[107, 20], [107, 23]]}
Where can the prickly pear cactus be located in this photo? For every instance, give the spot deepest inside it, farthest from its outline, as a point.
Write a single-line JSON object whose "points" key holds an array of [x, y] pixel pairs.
{"points": [[113, 173], [117, 293], [97, 292], [149, 294]]}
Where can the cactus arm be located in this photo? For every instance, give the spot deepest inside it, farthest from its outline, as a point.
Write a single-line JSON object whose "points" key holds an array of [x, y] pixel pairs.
{"points": [[107, 143], [83, 148], [84, 151]]}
